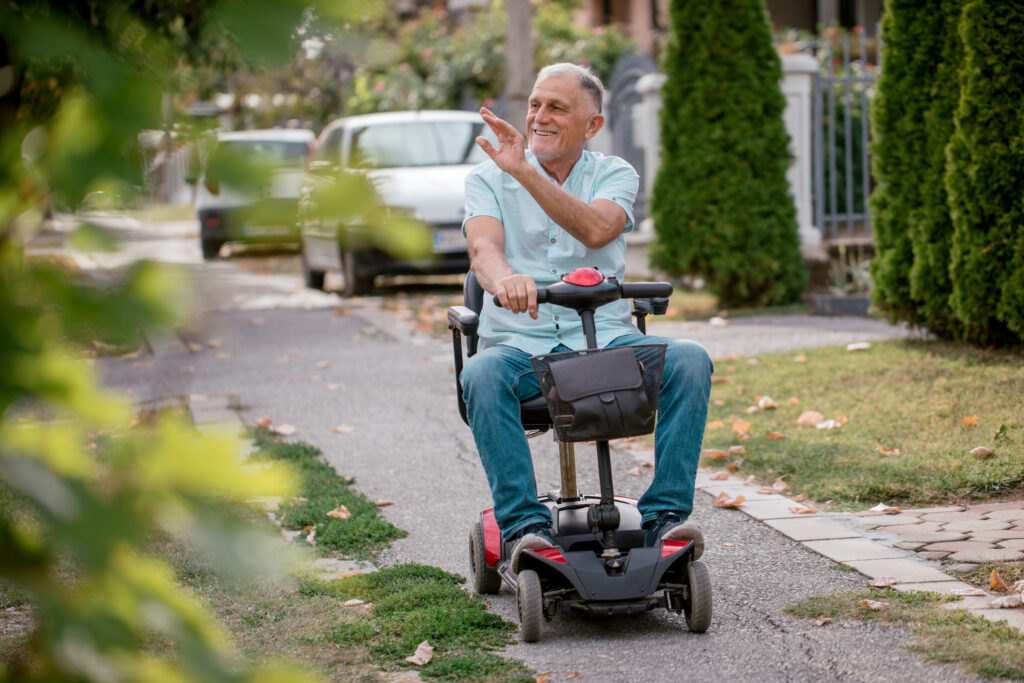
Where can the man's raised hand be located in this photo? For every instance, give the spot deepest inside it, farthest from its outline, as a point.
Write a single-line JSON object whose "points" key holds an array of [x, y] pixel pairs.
{"points": [[510, 155]]}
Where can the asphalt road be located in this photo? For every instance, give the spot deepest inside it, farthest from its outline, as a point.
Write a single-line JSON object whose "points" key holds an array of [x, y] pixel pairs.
{"points": [[316, 362]]}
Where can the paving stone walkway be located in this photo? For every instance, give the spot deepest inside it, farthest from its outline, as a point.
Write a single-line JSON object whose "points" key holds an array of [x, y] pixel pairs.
{"points": [[901, 549]]}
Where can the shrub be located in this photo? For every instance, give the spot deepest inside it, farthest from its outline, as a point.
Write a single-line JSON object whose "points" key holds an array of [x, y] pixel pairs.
{"points": [[721, 201], [985, 173], [911, 120]]}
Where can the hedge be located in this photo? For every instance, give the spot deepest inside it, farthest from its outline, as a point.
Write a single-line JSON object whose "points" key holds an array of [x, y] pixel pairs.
{"points": [[721, 202]]}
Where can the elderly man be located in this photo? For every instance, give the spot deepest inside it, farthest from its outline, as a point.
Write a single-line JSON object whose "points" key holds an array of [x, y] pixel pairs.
{"points": [[531, 215]]}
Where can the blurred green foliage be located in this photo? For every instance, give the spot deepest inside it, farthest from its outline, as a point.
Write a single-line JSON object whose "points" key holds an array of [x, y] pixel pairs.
{"points": [[434, 62], [85, 481]]}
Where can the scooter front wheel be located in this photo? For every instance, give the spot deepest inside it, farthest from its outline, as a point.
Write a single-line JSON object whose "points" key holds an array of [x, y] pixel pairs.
{"points": [[698, 607], [530, 601]]}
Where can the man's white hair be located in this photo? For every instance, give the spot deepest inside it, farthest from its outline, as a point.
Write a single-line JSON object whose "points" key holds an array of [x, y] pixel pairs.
{"points": [[589, 82]]}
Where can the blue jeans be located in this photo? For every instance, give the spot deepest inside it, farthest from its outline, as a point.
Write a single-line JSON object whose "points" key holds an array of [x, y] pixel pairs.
{"points": [[495, 380]]}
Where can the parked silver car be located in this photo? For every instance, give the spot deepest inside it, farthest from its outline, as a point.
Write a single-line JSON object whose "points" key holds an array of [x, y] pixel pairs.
{"points": [[249, 190], [418, 162]]}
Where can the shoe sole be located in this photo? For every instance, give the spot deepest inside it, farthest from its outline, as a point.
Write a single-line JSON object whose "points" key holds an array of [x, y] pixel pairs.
{"points": [[687, 531], [528, 542]]}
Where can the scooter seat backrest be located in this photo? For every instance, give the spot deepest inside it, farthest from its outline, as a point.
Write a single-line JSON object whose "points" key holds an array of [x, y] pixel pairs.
{"points": [[473, 293]]}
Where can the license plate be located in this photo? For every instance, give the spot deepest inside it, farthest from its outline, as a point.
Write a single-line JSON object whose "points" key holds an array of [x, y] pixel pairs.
{"points": [[447, 241], [264, 230]]}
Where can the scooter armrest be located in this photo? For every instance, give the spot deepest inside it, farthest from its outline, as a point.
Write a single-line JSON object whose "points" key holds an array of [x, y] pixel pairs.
{"points": [[463, 319]]}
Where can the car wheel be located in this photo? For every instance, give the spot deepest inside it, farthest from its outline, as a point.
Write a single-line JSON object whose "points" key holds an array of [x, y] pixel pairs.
{"points": [[314, 278], [211, 249], [357, 283]]}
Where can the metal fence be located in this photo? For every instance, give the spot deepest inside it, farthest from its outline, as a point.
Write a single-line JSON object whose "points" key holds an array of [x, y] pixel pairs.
{"points": [[842, 174]]}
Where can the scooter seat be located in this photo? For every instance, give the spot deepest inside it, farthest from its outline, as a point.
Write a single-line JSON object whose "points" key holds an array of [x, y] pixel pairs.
{"points": [[534, 413]]}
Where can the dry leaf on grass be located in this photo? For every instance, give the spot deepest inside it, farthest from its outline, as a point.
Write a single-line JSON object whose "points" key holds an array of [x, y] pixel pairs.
{"points": [[886, 509], [970, 420], [821, 621], [996, 582], [799, 499], [767, 403], [719, 402], [424, 653], [724, 500], [737, 450], [720, 476], [311, 539], [858, 346], [715, 454], [873, 605], [383, 502], [776, 435], [340, 512], [829, 424], [803, 510], [354, 602], [884, 450], [800, 359], [734, 466], [715, 424], [810, 418], [264, 421], [982, 451], [719, 380]]}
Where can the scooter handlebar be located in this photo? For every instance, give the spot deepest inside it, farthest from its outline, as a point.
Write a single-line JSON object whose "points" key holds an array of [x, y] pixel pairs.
{"points": [[542, 297], [645, 290]]}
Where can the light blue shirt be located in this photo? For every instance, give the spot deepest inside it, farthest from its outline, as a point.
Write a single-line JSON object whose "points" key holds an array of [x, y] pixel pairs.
{"points": [[537, 246]]}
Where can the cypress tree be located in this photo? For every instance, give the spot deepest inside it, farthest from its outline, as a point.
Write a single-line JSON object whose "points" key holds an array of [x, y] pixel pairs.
{"points": [[985, 174], [721, 202]]}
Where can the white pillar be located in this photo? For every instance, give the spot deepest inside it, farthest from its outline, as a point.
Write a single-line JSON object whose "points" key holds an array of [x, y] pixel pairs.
{"points": [[799, 72]]}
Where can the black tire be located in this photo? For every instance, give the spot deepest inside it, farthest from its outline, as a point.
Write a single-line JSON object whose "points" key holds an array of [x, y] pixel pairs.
{"points": [[698, 607], [314, 278], [211, 249], [357, 283], [485, 581], [530, 601]]}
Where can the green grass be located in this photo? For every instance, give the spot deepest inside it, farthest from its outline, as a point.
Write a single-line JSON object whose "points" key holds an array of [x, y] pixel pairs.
{"points": [[360, 536], [981, 647], [413, 603], [908, 395]]}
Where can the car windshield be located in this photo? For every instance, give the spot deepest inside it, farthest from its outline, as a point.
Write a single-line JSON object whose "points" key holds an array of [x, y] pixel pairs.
{"points": [[291, 153], [416, 143]]}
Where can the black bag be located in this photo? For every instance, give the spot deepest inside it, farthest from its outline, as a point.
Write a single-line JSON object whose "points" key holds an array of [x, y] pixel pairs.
{"points": [[603, 393]]}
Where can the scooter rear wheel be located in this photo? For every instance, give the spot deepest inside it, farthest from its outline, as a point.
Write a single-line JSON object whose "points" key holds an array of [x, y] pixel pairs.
{"points": [[698, 607], [530, 601], [485, 580]]}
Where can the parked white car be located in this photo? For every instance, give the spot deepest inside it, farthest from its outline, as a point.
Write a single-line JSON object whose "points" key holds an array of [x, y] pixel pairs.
{"points": [[249, 189], [418, 162]]}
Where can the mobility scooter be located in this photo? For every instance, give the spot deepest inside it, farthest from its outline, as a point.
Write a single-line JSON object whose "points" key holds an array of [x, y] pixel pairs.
{"points": [[599, 564]]}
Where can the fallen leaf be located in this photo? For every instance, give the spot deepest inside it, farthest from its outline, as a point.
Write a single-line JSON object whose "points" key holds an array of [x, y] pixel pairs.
{"points": [[737, 450], [842, 419], [858, 346], [829, 424], [886, 509], [719, 402], [214, 343], [715, 424], [311, 539], [800, 359], [730, 369], [749, 480], [320, 365], [889, 451], [752, 361], [383, 503], [343, 429], [803, 510], [810, 418], [873, 605], [264, 421], [799, 499], [1006, 602], [821, 621], [424, 653], [794, 401], [635, 472], [719, 380], [740, 426], [285, 430], [970, 420], [720, 476], [776, 435], [767, 403], [718, 321], [883, 582], [780, 485], [354, 602], [340, 512], [195, 348], [751, 410], [715, 454], [996, 582], [734, 466], [724, 500], [982, 451]]}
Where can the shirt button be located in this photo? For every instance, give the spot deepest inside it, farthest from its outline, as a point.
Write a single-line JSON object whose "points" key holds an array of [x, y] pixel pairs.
{"points": [[559, 336], [554, 270], [553, 240], [556, 317]]}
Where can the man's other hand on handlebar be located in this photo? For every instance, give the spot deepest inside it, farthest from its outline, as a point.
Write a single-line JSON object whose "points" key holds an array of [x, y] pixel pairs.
{"points": [[518, 293]]}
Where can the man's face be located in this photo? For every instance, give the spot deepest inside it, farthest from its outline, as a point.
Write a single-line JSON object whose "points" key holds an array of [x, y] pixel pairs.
{"points": [[560, 119]]}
